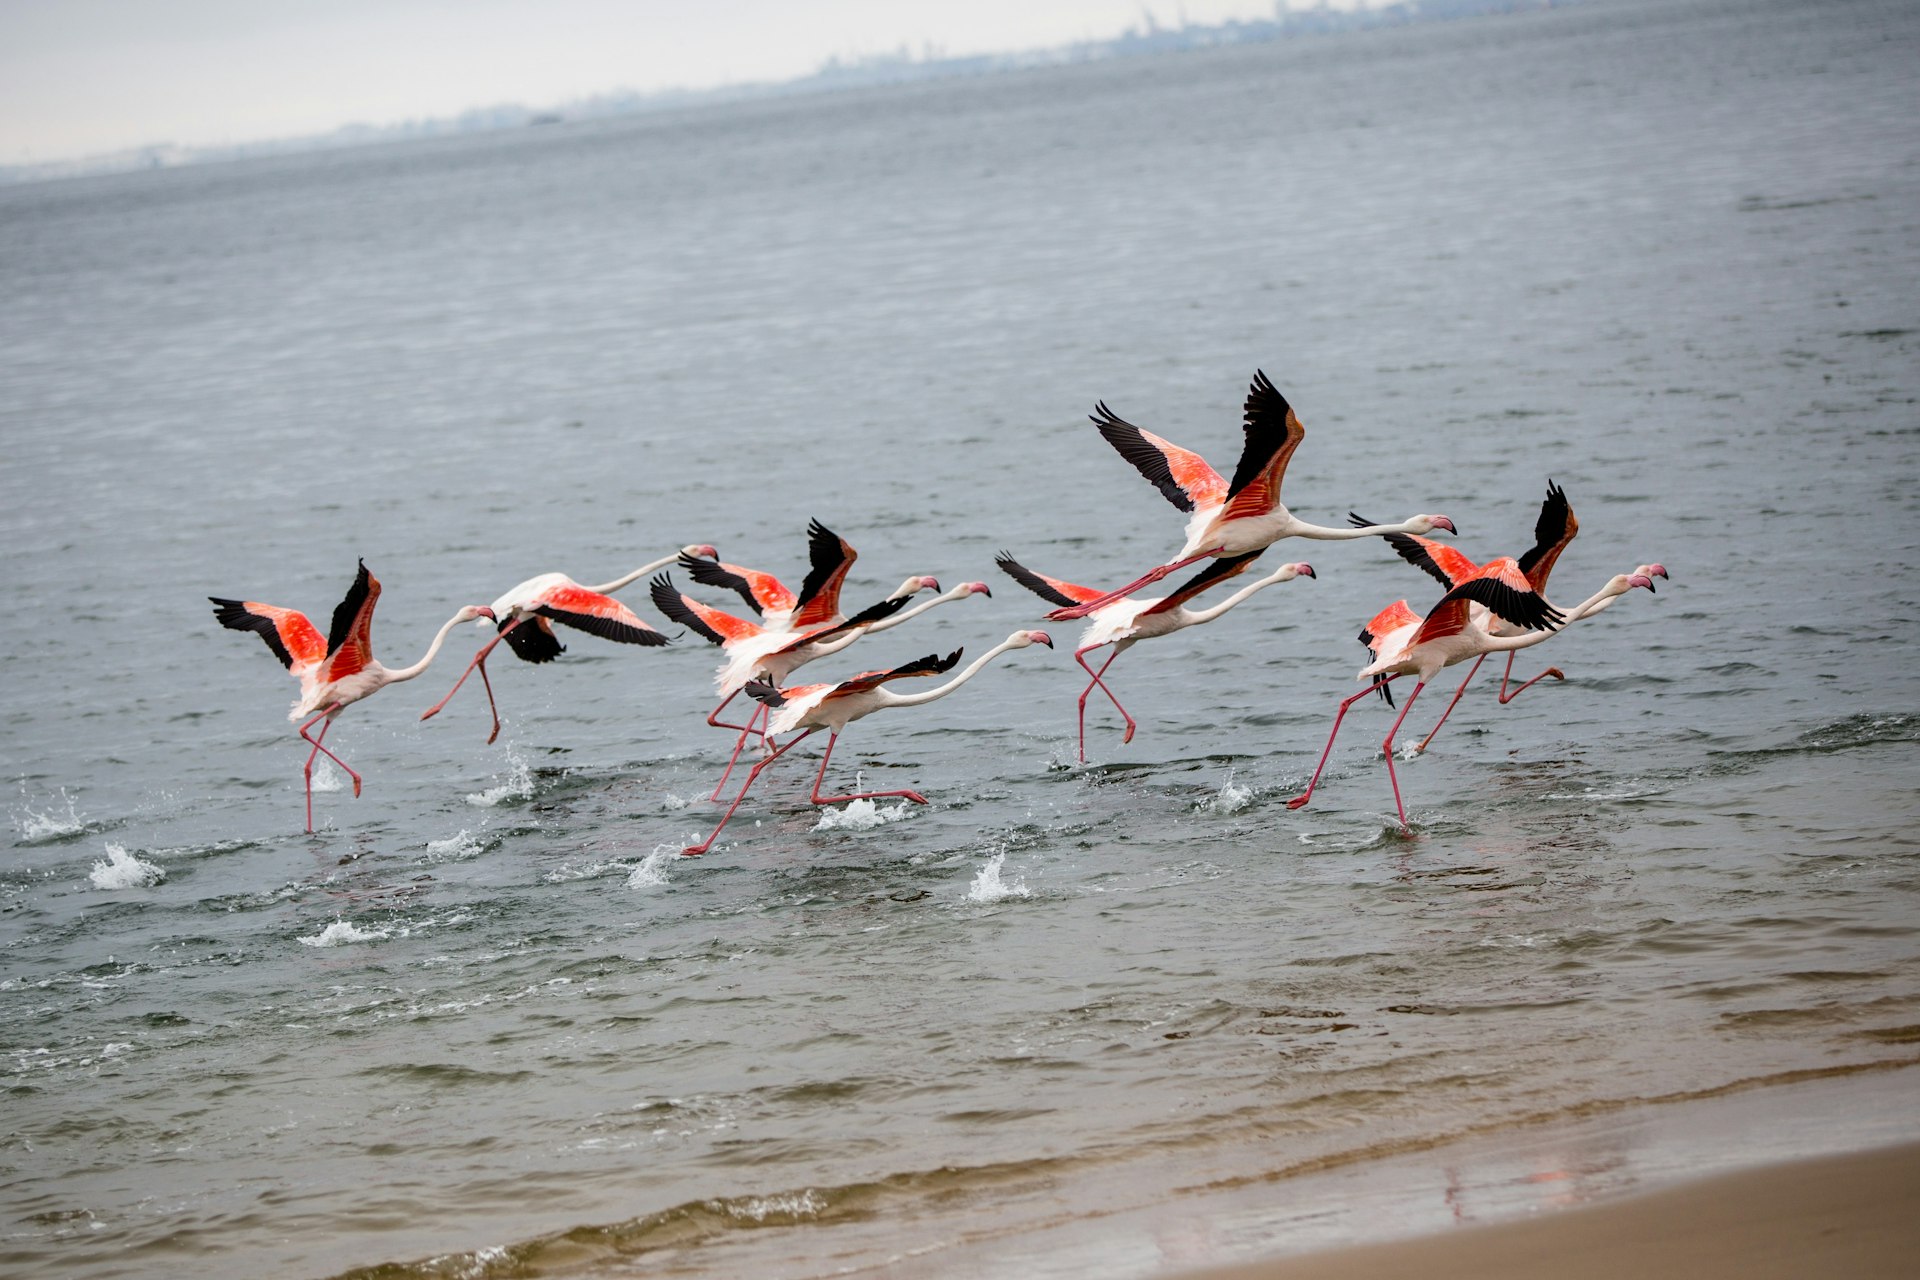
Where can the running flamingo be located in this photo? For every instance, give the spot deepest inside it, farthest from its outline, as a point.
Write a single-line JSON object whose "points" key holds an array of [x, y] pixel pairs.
{"points": [[1127, 621], [338, 670], [1241, 518], [833, 707], [753, 650], [554, 597], [1407, 644]]}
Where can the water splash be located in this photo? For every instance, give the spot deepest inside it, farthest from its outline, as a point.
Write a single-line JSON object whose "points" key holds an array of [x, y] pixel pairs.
{"points": [[989, 887], [518, 785], [327, 775], [455, 848], [859, 815], [1229, 799], [653, 868], [35, 827], [123, 870], [342, 932]]}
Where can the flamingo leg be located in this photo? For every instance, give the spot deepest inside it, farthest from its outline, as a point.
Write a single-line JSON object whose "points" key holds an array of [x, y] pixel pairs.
{"points": [[817, 798], [1079, 657], [478, 660], [1422, 745], [695, 850], [319, 750], [1387, 746], [1070, 612], [1307, 795], [739, 743], [722, 724], [1506, 697]]}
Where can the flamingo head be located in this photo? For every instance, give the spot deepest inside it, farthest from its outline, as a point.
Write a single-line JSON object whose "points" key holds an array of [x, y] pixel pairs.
{"points": [[700, 551], [475, 612], [1431, 523], [1303, 570], [1653, 570], [915, 585], [966, 589], [1021, 639], [1636, 580]]}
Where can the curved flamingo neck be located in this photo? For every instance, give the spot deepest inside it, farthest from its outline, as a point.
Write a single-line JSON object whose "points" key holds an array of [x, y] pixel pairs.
{"points": [[433, 651], [1301, 529], [1209, 614], [916, 611], [645, 569], [932, 695]]}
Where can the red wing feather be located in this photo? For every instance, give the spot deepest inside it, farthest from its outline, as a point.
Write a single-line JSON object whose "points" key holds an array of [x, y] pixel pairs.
{"points": [[1273, 433], [1212, 576], [1449, 565], [1449, 618], [1552, 531], [714, 625], [1052, 590], [350, 639], [762, 592], [1183, 476], [931, 665], [1389, 620], [831, 557], [294, 640], [597, 614]]}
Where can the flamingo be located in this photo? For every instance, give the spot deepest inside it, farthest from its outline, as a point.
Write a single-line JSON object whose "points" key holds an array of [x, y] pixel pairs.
{"points": [[1407, 644], [818, 603], [833, 707], [1129, 620], [1553, 529], [336, 671], [1234, 519], [753, 649], [554, 597]]}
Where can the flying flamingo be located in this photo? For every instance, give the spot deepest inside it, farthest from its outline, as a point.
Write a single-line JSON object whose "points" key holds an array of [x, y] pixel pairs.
{"points": [[1407, 644], [1228, 519], [1553, 529], [829, 557], [753, 650], [1129, 620], [338, 670], [833, 707], [554, 597]]}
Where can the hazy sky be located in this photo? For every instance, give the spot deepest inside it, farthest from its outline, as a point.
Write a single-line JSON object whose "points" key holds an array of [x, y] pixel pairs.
{"points": [[78, 77]]}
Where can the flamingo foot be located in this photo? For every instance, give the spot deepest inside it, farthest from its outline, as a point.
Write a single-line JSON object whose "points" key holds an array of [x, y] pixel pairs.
{"points": [[1298, 802], [693, 851], [1128, 735], [1555, 672]]}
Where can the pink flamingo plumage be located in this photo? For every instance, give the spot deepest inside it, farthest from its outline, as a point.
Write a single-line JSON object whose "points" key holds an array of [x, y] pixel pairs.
{"points": [[1239, 518], [525, 616], [337, 670], [834, 706], [1404, 643], [753, 650], [1125, 622]]}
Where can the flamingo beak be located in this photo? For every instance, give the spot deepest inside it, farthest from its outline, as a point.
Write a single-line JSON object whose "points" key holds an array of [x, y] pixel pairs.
{"points": [[1041, 637], [1640, 580], [707, 550], [1657, 570], [1305, 570], [930, 583], [980, 589], [1441, 522]]}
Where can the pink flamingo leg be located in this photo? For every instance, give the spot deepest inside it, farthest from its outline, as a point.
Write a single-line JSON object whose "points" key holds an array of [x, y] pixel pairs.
{"points": [[1070, 612], [319, 750], [817, 798], [1080, 658], [478, 660], [722, 724], [741, 742], [695, 850], [1387, 746], [1422, 744], [1307, 795], [1506, 697]]}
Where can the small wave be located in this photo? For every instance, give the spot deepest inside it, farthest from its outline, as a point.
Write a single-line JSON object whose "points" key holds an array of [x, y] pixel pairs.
{"points": [[36, 827], [988, 886], [653, 868], [123, 870], [859, 815], [455, 848], [1229, 799], [342, 932], [518, 784]]}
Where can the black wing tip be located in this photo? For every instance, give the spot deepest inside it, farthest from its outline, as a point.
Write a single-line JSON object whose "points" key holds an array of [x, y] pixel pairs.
{"points": [[764, 691]]}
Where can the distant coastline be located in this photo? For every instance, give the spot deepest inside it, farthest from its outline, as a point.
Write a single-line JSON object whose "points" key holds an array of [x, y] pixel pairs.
{"points": [[899, 67]]}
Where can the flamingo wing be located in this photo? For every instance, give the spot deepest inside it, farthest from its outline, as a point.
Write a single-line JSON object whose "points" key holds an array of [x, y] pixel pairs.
{"points": [[713, 625], [1502, 588], [1449, 565], [1052, 590], [931, 665], [1182, 475], [350, 638], [1384, 623], [831, 557], [596, 614], [865, 618], [1552, 531], [1273, 433], [533, 640], [762, 592], [1217, 571], [294, 640]]}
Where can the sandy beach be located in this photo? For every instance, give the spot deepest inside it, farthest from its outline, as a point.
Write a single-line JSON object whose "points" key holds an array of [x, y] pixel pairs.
{"points": [[1851, 1215]]}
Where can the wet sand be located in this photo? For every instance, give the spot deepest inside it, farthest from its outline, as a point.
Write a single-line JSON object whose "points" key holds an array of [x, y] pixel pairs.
{"points": [[1853, 1215]]}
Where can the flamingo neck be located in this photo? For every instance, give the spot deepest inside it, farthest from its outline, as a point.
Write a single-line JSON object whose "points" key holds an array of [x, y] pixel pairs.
{"points": [[933, 695], [609, 588], [394, 676], [1209, 614], [1301, 529], [916, 611]]}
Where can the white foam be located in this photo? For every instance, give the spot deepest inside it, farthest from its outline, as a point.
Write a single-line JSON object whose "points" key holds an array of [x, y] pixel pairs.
{"points": [[518, 786], [653, 868], [1229, 799], [34, 826], [123, 870], [327, 775], [989, 887], [455, 848], [859, 815], [342, 932]]}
